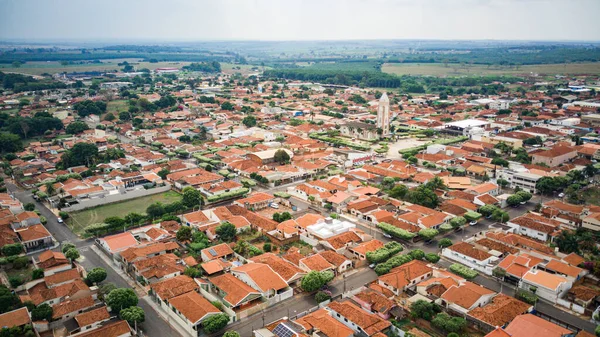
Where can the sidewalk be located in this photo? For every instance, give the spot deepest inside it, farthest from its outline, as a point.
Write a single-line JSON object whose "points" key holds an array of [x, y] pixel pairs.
{"points": [[139, 290]]}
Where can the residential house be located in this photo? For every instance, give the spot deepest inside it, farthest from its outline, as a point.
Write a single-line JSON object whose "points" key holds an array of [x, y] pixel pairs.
{"points": [[548, 286], [466, 253], [357, 319], [405, 276], [190, 310], [466, 297]]}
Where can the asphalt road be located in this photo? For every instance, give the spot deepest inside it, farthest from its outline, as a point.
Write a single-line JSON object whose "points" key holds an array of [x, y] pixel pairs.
{"points": [[154, 326]]}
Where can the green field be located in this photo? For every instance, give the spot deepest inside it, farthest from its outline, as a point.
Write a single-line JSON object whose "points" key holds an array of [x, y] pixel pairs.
{"points": [[116, 106], [80, 220], [438, 69], [38, 68]]}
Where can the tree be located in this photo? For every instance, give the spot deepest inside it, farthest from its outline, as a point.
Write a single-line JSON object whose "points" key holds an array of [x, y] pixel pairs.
{"points": [[76, 127], [163, 173], [589, 170], [10, 143], [417, 254], [231, 334], [215, 323], [155, 210], [423, 309], [72, 254], [8, 299], [12, 249], [445, 242], [567, 242], [29, 207], [66, 247], [502, 182], [524, 195], [315, 280], [513, 200], [431, 257], [96, 275], [423, 196], [80, 154], [500, 215], [399, 191], [121, 298], [458, 221], [42, 312], [37, 274], [227, 106], [184, 233], [500, 161], [226, 231], [191, 197], [133, 315], [322, 296], [105, 289], [249, 121], [281, 156]]}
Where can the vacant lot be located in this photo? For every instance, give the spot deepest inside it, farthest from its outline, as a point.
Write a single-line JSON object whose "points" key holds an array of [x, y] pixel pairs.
{"points": [[82, 219], [590, 195], [437, 69], [117, 106]]}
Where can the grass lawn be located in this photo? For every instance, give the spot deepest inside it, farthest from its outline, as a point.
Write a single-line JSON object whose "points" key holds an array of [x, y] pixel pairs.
{"points": [[38, 68], [117, 106], [438, 69], [80, 220], [24, 273]]}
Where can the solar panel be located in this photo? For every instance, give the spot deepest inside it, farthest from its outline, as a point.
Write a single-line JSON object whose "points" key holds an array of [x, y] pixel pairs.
{"points": [[282, 330], [212, 252]]}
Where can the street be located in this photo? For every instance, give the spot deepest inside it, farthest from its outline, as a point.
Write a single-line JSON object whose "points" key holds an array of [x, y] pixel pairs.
{"points": [[154, 326]]}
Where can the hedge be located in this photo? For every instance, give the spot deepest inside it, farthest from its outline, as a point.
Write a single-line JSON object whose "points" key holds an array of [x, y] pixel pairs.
{"points": [[398, 260], [282, 195], [526, 296], [228, 195], [384, 253], [463, 271], [395, 231]]}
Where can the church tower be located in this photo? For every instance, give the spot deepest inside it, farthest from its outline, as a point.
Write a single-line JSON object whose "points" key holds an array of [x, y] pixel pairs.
{"points": [[383, 114]]}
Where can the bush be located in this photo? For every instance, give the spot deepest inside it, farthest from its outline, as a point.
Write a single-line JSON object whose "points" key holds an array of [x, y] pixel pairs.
{"points": [[450, 324], [398, 260], [37, 273], [431, 257], [21, 262], [42, 312], [15, 281], [526, 296], [445, 242], [215, 323], [395, 231], [12, 249], [463, 271], [228, 195], [423, 309], [384, 253], [322, 296], [417, 254], [428, 233]]}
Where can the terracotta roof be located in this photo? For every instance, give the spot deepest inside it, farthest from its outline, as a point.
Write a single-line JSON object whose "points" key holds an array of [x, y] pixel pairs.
{"points": [[193, 306], [215, 266], [542, 278], [174, 286], [378, 301], [465, 295], [530, 325], [284, 268], [263, 276], [115, 329], [401, 276], [133, 253], [563, 268], [235, 290], [369, 246], [469, 250], [16, 317], [35, 232], [326, 324], [220, 250], [316, 262], [584, 293], [369, 323], [61, 277], [333, 257], [502, 310], [120, 241], [66, 307], [92, 316], [341, 240], [573, 259]]}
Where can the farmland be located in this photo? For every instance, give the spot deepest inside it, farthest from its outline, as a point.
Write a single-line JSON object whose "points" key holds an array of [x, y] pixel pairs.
{"points": [[439, 69]]}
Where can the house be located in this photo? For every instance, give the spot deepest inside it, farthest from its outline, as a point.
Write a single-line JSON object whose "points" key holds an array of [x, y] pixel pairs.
{"points": [[485, 188], [570, 272], [375, 302], [466, 253], [465, 297], [289, 272], [190, 310], [163, 291], [340, 262], [536, 227], [118, 328], [262, 278], [501, 310], [26, 219], [405, 276], [118, 242], [548, 286], [15, 318], [220, 251], [255, 201], [236, 294], [35, 237], [70, 308], [138, 253], [322, 322], [555, 156], [530, 325], [357, 319], [92, 319], [361, 249], [157, 268]]}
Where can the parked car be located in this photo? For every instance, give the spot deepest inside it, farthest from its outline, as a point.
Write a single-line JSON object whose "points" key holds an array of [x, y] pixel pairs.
{"points": [[561, 195], [274, 205], [60, 220], [372, 265], [473, 223], [387, 235]]}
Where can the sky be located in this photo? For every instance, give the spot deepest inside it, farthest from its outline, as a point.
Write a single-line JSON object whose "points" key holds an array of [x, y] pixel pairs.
{"points": [[209, 20]]}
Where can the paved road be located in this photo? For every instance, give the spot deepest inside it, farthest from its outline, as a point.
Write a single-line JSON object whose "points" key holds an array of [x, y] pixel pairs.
{"points": [[154, 326]]}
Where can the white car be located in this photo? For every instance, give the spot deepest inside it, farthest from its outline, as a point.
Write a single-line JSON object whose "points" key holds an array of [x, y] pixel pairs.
{"points": [[387, 235], [60, 220], [561, 195], [274, 205], [473, 223]]}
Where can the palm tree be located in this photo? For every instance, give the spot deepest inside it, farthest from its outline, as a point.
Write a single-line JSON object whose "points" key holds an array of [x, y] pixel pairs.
{"points": [[50, 189]]}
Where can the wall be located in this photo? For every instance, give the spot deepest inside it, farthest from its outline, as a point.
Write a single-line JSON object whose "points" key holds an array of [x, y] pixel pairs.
{"points": [[116, 198], [468, 261]]}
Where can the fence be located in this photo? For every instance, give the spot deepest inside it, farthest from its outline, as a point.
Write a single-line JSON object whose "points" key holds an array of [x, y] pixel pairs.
{"points": [[113, 198]]}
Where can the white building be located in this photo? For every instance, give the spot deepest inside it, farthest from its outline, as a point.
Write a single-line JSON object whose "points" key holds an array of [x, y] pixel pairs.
{"points": [[329, 227]]}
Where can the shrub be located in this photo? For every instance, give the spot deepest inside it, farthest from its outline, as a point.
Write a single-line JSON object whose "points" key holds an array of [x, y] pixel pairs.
{"points": [[228, 195], [417, 254], [526, 296], [215, 323], [322, 296], [398, 260], [428, 233], [395, 231], [450, 324], [431, 257], [15, 281], [12, 249], [384, 253], [445, 242], [21, 262], [463, 271]]}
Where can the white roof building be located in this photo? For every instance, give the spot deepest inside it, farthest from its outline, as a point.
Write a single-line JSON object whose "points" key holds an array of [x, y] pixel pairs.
{"points": [[330, 227]]}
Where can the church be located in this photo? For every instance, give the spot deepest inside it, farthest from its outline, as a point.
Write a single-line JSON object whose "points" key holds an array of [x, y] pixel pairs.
{"points": [[366, 131]]}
